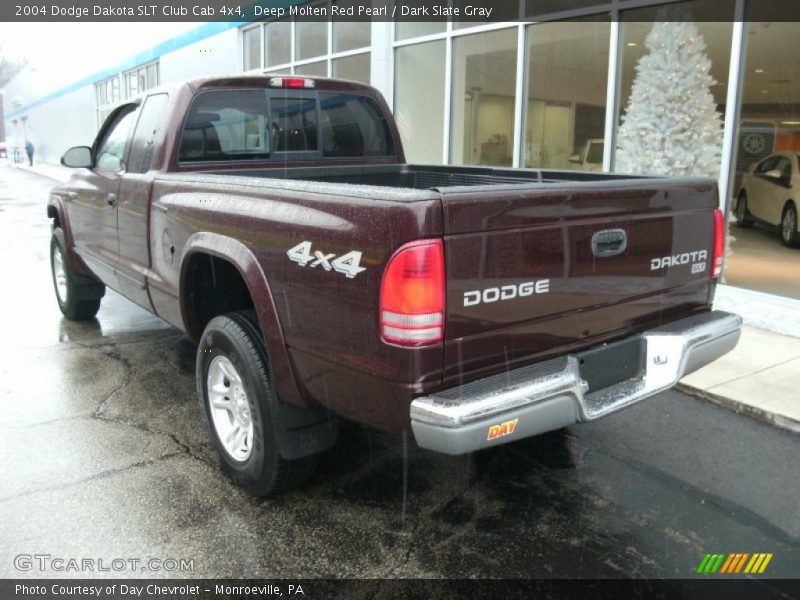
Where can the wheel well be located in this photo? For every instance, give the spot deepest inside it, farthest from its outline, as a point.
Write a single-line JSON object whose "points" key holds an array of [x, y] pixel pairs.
{"points": [[213, 287], [788, 203]]}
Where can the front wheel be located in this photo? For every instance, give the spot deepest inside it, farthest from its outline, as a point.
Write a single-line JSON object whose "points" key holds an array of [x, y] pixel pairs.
{"points": [[741, 212], [789, 226], [238, 402], [78, 297]]}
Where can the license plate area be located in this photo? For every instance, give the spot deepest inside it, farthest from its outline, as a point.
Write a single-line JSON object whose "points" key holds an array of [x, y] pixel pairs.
{"points": [[613, 363]]}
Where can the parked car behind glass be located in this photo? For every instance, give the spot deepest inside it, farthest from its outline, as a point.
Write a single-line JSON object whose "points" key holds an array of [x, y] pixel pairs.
{"points": [[770, 195]]}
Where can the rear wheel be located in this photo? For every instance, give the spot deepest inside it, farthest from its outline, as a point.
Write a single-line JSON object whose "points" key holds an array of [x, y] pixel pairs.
{"points": [[238, 402], [742, 219], [789, 225], [78, 296]]}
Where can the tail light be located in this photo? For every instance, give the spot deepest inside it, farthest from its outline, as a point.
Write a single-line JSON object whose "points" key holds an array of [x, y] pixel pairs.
{"points": [[718, 255], [412, 295]]}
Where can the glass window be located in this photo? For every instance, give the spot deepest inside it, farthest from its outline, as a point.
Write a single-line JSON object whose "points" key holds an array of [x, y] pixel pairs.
{"points": [[353, 125], [355, 67], [484, 88], [349, 35], [768, 133], [152, 75], [419, 73], [226, 125], [111, 150], [133, 84], [148, 129], [566, 99], [766, 165], [674, 83], [410, 29], [544, 7], [311, 39], [315, 69], [277, 43], [293, 124], [136, 81], [770, 110], [251, 41]]}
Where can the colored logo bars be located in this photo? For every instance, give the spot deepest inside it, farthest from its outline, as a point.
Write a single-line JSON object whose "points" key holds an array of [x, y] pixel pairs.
{"points": [[734, 563]]}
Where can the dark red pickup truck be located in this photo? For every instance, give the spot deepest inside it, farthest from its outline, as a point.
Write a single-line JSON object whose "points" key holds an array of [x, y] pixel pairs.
{"points": [[275, 221]]}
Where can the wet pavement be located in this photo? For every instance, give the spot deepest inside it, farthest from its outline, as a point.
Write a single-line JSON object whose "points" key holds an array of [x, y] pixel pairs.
{"points": [[103, 455]]}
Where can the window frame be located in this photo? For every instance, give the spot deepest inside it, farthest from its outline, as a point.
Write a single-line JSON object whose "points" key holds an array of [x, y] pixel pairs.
{"points": [[297, 156]]}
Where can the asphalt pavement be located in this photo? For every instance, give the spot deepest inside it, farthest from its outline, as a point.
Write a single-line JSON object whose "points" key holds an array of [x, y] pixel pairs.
{"points": [[103, 456]]}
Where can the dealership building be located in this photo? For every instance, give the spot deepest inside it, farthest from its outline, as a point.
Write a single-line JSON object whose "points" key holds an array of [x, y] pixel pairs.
{"points": [[547, 91]]}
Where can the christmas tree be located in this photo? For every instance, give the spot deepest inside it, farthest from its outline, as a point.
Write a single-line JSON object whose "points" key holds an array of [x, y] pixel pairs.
{"points": [[671, 125]]}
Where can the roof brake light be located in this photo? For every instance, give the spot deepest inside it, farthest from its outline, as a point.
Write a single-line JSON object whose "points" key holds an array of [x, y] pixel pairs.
{"points": [[292, 82]]}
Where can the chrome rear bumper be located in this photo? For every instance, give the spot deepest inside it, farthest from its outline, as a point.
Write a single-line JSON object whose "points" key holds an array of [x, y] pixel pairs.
{"points": [[550, 395]]}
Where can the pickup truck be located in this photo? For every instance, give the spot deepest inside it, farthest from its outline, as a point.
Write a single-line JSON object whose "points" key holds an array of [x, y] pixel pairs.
{"points": [[274, 220]]}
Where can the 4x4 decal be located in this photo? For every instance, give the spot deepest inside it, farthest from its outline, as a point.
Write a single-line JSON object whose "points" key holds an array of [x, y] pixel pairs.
{"points": [[347, 263]]}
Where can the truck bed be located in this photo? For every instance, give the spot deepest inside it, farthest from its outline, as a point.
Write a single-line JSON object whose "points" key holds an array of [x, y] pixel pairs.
{"points": [[506, 232], [425, 177]]}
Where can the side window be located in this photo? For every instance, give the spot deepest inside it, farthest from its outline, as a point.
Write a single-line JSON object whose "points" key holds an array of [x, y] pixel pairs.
{"points": [[112, 148], [294, 124], [353, 125], [766, 165], [226, 125], [148, 129], [785, 167]]}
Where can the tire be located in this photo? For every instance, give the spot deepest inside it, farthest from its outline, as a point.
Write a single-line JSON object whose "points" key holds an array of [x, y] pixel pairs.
{"points": [[238, 402], [742, 219], [789, 226], [78, 296]]}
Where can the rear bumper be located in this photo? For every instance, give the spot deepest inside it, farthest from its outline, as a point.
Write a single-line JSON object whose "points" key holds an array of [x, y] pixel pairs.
{"points": [[552, 394]]}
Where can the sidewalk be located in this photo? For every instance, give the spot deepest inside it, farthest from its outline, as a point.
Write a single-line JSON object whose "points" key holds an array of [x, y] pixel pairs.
{"points": [[51, 171], [760, 377]]}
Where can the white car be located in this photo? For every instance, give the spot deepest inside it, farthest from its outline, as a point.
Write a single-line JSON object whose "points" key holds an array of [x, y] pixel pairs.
{"points": [[770, 195], [590, 156]]}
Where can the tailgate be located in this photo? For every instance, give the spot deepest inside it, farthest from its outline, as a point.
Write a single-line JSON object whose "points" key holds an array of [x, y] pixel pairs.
{"points": [[535, 271]]}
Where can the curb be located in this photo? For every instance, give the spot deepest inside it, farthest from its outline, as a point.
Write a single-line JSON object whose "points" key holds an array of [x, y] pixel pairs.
{"points": [[754, 412]]}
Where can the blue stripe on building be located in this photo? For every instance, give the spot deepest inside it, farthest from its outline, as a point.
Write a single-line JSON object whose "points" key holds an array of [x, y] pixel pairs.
{"points": [[180, 41]]}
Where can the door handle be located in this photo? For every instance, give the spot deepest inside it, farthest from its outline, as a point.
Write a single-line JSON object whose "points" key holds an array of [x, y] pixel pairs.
{"points": [[112, 200], [609, 242]]}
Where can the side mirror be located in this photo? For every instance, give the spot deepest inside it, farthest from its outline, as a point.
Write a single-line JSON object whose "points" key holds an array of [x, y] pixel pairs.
{"points": [[79, 157], [575, 158]]}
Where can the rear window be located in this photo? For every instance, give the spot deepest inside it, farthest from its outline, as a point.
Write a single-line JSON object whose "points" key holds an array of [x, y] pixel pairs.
{"points": [[353, 125], [294, 124], [226, 125], [231, 125]]}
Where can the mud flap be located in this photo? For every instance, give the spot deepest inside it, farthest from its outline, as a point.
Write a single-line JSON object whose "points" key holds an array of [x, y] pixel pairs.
{"points": [[302, 432]]}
